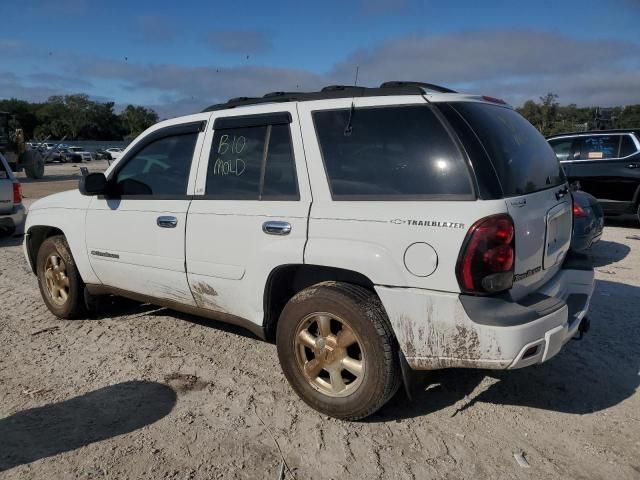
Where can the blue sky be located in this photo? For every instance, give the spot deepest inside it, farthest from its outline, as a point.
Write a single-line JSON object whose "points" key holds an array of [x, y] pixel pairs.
{"points": [[178, 57]]}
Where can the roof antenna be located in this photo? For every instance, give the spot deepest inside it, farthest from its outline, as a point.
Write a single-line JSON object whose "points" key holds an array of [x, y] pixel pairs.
{"points": [[349, 128]]}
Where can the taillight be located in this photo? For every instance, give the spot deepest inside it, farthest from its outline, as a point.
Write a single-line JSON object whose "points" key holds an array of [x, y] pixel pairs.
{"points": [[578, 211], [17, 193], [485, 264]]}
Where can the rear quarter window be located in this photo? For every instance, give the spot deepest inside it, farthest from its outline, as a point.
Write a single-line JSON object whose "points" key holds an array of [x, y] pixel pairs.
{"points": [[391, 153], [523, 160]]}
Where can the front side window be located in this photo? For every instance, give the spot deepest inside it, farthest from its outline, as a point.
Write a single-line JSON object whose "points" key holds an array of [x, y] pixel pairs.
{"points": [[400, 152], [160, 168], [252, 163], [562, 148], [599, 147]]}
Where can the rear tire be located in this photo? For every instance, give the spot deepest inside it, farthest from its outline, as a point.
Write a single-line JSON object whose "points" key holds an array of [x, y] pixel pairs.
{"points": [[338, 351], [60, 284], [33, 164]]}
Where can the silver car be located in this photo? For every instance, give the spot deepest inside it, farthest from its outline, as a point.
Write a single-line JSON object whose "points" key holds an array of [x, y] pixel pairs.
{"points": [[12, 211]]}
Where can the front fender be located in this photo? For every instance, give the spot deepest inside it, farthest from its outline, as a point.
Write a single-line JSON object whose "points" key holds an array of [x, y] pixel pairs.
{"points": [[71, 223]]}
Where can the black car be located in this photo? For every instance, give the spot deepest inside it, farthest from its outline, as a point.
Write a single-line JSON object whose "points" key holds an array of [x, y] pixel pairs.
{"points": [[607, 165], [67, 155], [588, 221]]}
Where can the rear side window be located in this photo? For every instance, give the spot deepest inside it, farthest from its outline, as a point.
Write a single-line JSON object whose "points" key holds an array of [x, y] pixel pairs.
{"points": [[627, 147], [598, 147], [390, 153], [252, 163], [160, 168], [521, 157]]}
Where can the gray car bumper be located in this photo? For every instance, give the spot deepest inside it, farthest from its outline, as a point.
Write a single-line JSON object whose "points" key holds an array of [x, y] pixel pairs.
{"points": [[14, 221]]}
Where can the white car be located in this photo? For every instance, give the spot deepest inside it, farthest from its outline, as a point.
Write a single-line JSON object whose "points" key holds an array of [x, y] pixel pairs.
{"points": [[12, 211], [114, 152], [86, 156], [368, 230]]}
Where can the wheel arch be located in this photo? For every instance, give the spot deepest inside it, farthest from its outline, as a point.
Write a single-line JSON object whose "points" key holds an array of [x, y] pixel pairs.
{"points": [[34, 237], [285, 281]]}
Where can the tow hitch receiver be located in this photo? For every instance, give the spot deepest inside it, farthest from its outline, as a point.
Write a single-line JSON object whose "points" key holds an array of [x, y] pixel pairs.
{"points": [[583, 328]]}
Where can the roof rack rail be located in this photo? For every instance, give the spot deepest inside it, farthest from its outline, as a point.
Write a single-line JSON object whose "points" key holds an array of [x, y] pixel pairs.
{"points": [[427, 86], [332, 91]]}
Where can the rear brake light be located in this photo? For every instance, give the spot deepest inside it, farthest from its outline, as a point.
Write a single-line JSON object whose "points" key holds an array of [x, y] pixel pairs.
{"points": [[485, 264], [17, 193], [494, 100], [578, 211]]}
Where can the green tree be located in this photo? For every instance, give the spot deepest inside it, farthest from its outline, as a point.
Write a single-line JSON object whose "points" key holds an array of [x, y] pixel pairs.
{"points": [[138, 119], [629, 117]]}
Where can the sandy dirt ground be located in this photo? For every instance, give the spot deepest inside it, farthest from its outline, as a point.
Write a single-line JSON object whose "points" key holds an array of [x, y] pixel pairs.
{"points": [[143, 392]]}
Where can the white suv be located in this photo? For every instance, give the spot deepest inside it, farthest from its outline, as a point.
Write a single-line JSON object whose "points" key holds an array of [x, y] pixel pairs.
{"points": [[366, 230]]}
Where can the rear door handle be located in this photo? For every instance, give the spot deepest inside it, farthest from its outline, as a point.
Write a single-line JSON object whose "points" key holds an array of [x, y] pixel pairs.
{"points": [[167, 222], [633, 165], [276, 228]]}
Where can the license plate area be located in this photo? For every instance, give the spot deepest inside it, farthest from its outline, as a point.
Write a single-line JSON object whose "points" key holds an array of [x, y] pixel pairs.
{"points": [[558, 237]]}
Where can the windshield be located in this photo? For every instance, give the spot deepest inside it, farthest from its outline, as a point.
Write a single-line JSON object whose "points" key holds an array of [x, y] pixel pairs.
{"points": [[521, 157]]}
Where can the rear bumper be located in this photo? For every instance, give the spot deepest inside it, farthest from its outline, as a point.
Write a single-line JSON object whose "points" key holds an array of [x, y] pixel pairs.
{"points": [[440, 330], [14, 221]]}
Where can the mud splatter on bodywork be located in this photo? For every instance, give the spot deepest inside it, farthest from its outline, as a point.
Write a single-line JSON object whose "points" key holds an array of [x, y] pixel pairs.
{"points": [[204, 295], [440, 340]]}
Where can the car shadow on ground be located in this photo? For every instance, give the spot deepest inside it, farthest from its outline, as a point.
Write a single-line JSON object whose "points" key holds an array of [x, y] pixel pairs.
{"points": [[593, 374], [606, 252], [10, 240], [45, 431]]}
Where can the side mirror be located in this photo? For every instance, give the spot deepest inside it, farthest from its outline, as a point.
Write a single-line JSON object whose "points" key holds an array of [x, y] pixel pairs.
{"points": [[93, 184]]}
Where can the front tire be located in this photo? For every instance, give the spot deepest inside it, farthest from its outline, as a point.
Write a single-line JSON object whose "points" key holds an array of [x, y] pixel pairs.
{"points": [[60, 284], [337, 350]]}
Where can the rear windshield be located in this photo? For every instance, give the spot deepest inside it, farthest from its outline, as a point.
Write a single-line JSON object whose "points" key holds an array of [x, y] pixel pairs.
{"points": [[522, 158]]}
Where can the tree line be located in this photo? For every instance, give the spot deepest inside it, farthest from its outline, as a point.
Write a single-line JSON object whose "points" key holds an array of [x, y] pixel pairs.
{"points": [[76, 117], [548, 116]]}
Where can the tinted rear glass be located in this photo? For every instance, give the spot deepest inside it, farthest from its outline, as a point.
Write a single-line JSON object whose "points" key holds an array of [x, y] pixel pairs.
{"points": [[627, 147], [522, 158], [598, 147], [391, 153]]}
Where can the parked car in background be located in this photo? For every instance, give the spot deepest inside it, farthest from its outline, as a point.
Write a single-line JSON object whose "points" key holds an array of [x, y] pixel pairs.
{"points": [[437, 235], [12, 211], [67, 155], [77, 154], [588, 221], [607, 165], [101, 154], [115, 152], [86, 156]]}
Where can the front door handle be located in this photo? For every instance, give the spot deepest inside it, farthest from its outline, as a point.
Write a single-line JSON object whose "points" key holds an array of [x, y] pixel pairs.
{"points": [[633, 165], [276, 228], [167, 222]]}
